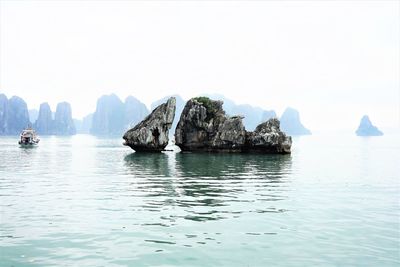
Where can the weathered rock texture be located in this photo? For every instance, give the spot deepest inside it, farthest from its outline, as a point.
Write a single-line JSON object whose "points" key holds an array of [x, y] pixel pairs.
{"points": [[204, 126], [366, 128], [151, 134], [180, 104]]}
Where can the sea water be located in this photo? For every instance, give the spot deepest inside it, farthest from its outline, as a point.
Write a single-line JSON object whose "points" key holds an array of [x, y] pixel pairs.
{"points": [[87, 201]]}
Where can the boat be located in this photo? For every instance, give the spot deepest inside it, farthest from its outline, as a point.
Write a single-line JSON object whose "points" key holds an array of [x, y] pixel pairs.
{"points": [[28, 137]]}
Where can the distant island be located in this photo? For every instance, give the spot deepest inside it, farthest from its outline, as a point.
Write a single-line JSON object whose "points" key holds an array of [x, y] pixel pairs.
{"points": [[112, 116], [366, 128]]}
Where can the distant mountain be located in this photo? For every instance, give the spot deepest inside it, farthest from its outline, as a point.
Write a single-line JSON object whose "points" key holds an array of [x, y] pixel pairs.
{"points": [[180, 104], [135, 111], [44, 122], [60, 123], [84, 125], [14, 115], [291, 124], [113, 117], [253, 116], [268, 114], [366, 128], [3, 114], [33, 115], [63, 123]]}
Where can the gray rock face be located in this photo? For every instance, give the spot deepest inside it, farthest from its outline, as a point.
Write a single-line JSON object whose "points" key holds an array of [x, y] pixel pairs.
{"points": [[268, 138], [63, 123], [366, 128], [204, 126], [44, 122], [151, 134], [291, 124], [180, 104]]}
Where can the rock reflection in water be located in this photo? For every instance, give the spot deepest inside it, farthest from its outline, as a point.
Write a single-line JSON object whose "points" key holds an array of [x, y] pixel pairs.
{"points": [[208, 186]]}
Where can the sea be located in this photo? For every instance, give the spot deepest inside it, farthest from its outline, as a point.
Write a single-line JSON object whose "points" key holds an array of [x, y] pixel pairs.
{"points": [[90, 201]]}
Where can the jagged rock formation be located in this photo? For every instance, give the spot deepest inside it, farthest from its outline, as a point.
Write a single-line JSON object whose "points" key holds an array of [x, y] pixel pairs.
{"points": [[44, 122], [63, 123], [151, 134], [14, 116], [113, 117], [252, 115], [291, 124], [204, 126], [268, 138], [366, 128], [180, 104]]}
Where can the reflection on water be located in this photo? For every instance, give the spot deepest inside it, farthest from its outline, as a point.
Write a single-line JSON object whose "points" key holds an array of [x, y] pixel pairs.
{"points": [[208, 180], [87, 201]]}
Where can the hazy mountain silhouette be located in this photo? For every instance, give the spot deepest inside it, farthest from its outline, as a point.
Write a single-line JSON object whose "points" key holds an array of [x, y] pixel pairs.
{"points": [[366, 128], [113, 117], [14, 115], [291, 124]]}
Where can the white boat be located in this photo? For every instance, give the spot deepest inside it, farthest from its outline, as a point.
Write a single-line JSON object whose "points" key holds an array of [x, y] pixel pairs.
{"points": [[28, 137]]}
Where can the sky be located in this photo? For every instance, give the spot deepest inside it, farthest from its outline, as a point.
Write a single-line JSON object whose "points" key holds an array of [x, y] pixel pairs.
{"points": [[333, 61]]}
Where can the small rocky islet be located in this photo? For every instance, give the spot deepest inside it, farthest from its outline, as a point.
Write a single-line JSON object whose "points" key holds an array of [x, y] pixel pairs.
{"points": [[204, 127], [366, 128]]}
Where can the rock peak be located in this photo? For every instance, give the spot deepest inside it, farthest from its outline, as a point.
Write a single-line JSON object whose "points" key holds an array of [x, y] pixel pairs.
{"points": [[366, 128], [204, 126], [151, 134]]}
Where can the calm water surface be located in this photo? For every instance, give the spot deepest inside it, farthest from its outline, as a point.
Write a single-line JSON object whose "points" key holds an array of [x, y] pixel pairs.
{"points": [[87, 201]]}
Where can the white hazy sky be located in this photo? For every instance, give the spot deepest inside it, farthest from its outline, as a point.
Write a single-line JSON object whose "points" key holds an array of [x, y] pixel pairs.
{"points": [[334, 61]]}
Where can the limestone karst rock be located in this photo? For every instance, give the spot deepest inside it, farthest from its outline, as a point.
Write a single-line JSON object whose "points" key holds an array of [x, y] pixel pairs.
{"points": [[44, 122], [14, 115], [180, 103], [135, 111], [291, 124], [63, 122], [204, 126], [366, 128], [113, 117], [151, 134], [108, 118]]}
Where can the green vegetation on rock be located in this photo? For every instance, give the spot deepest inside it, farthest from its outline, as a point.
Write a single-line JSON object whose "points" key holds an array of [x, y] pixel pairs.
{"points": [[210, 105]]}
